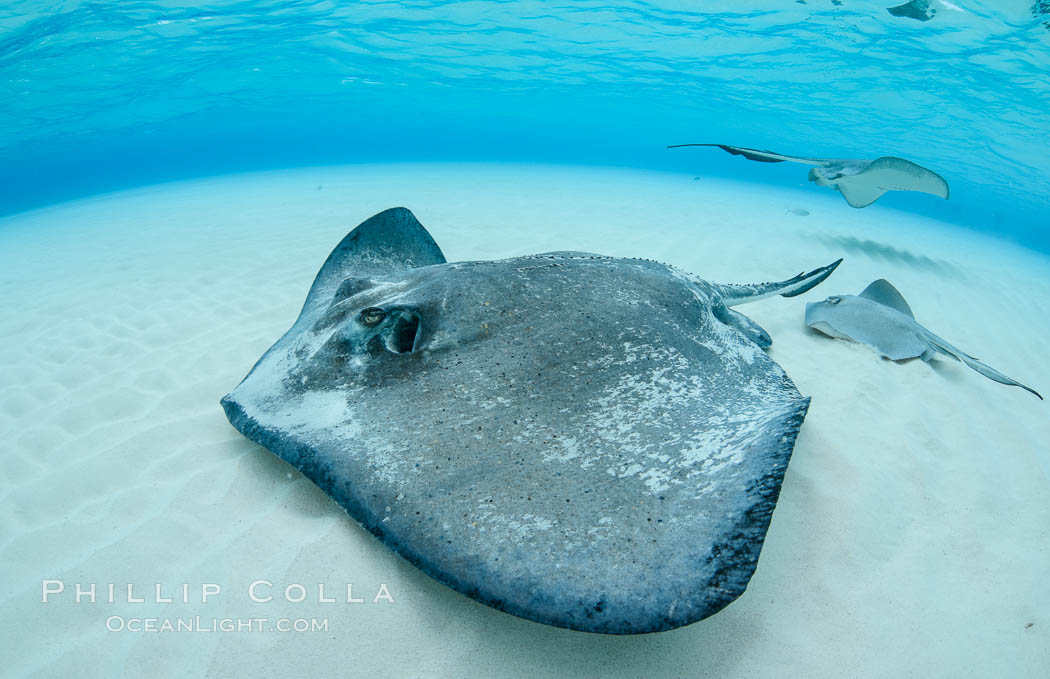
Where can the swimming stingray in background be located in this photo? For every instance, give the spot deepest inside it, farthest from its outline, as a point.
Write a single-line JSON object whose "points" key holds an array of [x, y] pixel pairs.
{"points": [[861, 182], [585, 441], [1041, 10], [880, 318], [922, 10]]}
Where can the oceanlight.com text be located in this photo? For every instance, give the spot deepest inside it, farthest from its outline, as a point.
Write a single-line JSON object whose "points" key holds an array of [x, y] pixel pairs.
{"points": [[119, 623]]}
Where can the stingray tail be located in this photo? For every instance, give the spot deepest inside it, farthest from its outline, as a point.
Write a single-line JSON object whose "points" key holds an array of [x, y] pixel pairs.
{"points": [[986, 370], [739, 294]]}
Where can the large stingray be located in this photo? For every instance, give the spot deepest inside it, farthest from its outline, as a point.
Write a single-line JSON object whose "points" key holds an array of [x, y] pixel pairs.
{"points": [[880, 318], [861, 182], [586, 441]]}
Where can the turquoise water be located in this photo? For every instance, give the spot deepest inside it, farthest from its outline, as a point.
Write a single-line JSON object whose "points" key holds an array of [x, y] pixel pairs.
{"points": [[102, 95]]}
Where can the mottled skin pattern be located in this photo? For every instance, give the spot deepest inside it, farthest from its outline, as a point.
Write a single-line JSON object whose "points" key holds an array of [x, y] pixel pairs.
{"points": [[574, 439]]}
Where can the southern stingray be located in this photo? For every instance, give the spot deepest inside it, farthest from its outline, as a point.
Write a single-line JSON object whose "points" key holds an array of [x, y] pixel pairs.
{"points": [[922, 10], [585, 441], [880, 318], [1041, 10], [861, 182]]}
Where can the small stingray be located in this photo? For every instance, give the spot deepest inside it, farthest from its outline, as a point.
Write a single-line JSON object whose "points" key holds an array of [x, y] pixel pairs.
{"points": [[585, 441], [861, 182], [880, 318], [922, 10], [919, 10], [1041, 10]]}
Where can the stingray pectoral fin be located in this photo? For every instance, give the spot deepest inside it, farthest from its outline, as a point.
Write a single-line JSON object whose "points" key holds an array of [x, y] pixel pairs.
{"points": [[919, 10], [889, 332], [829, 330], [387, 243], [861, 185], [884, 293], [898, 174], [739, 294], [889, 173], [988, 371], [858, 193], [748, 328], [817, 318]]}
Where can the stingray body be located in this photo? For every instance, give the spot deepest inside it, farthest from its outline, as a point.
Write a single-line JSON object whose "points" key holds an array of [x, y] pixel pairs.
{"points": [[881, 318], [920, 10], [1041, 10], [585, 441], [861, 182]]}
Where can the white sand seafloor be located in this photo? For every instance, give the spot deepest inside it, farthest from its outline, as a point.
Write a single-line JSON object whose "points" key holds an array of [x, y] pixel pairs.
{"points": [[911, 537]]}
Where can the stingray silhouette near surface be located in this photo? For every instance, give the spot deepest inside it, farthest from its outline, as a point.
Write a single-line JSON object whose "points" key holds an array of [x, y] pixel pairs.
{"points": [[590, 442], [861, 182], [880, 318]]}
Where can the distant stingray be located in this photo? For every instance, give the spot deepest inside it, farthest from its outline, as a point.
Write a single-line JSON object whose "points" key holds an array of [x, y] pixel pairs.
{"points": [[861, 182], [922, 10], [880, 318], [919, 10], [1041, 10]]}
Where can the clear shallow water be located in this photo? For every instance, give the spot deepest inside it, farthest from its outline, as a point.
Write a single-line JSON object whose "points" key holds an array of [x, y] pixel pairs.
{"points": [[910, 485], [904, 542], [101, 95]]}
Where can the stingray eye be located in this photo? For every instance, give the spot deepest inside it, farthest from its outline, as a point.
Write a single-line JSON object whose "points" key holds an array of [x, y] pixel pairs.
{"points": [[834, 300], [372, 316]]}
